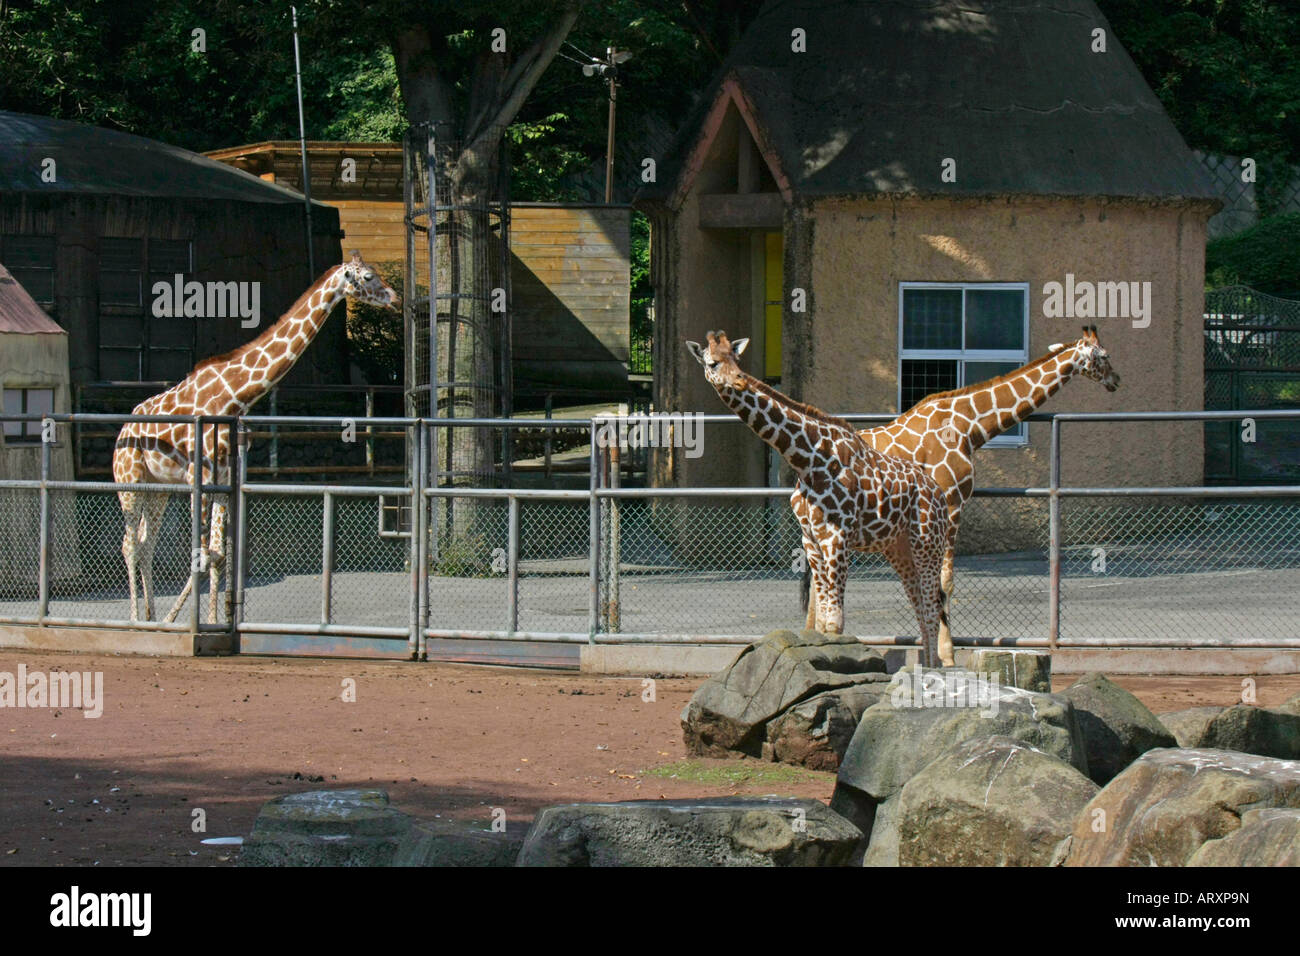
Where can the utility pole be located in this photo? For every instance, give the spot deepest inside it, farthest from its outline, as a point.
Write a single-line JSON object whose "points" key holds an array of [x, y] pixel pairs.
{"points": [[302, 142], [608, 70]]}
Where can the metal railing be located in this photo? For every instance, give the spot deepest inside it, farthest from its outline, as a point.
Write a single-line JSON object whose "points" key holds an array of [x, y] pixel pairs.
{"points": [[1138, 566]]}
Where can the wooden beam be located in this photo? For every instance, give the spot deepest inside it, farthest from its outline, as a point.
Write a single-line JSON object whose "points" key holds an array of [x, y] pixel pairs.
{"points": [[733, 211]]}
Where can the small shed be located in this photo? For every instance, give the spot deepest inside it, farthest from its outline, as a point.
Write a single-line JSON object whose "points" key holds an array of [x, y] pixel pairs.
{"points": [[862, 179], [33, 380]]}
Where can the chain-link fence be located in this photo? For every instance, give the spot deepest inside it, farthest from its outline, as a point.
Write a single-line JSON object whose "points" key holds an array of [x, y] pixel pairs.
{"points": [[604, 561]]}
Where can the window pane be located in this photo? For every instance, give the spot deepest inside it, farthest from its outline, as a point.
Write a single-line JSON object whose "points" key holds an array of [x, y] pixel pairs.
{"points": [[13, 405], [922, 377], [995, 319], [121, 255], [932, 318], [40, 401]]}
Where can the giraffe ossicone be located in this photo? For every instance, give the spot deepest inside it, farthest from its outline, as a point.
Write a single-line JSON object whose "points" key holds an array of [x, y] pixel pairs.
{"points": [[848, 495], [227, 385]]}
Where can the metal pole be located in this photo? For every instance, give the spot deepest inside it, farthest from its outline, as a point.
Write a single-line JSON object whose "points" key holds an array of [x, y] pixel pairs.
{"points": [[593, 542], [512, 567], [609, 139], [327, 557], [1054, 538], [302, 141], [239, 474], [419, 570], [615, 545], [43, 580], [275, 435], [196, 522]]}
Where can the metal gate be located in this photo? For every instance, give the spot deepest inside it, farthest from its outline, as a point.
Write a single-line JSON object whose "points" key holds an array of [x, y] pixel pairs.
{"points": [[1252, 361]]}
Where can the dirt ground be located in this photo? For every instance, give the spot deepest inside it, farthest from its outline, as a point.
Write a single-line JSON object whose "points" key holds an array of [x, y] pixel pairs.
{"points": [[224, 735]]}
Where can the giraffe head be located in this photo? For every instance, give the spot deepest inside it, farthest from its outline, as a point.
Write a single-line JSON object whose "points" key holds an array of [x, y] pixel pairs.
{"points": [[1093, 361], [719, 359], [362, 284]]}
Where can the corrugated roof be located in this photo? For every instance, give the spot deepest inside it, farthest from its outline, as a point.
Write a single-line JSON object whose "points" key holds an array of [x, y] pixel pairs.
{"points": [[102, 161], [1010, 89], [19, 311]]}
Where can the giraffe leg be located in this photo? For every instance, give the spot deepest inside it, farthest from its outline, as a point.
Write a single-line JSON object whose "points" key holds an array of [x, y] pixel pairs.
{"points": [[217, 558], [813, 556], [154, 505], [129, 542], [945, 598], [202, 558], [831, 591], [899, 554]]}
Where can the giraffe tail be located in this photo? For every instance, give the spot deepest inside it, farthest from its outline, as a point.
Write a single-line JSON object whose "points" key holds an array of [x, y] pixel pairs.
{"points": [[804, 588]]}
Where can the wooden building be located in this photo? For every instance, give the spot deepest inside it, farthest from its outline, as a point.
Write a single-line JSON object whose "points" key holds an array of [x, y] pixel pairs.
{"points": [[570, 263], [91, 219]]}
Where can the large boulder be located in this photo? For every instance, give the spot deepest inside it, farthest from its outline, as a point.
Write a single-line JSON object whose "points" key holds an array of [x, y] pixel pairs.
{"points": [[1254, 730], [1189, 726], [815, 732], [1292, 706], [1266, 838], [927, 711], [882, 848], [326, 828], [1026, 669], [1169, 803], [990, 801], [729, 831], [457, 843], [1117, 727], [730, 711]]}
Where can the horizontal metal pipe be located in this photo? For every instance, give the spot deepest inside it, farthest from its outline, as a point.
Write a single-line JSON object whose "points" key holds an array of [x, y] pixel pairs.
{"points": [[111, 486], [121, 625], [330, 630], [354, 491]]}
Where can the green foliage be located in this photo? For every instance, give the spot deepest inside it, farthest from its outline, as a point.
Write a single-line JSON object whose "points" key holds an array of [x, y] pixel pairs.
{"points": [[1227, 72], [1265, 257], [375, 336]]}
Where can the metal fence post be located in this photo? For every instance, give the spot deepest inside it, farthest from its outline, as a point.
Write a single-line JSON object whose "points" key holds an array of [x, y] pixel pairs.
{"points": [[512, 566], [612, 621], [327, 556], [1054, 537], [419, 572], [593, 611], [196, 521], [238, 509], [43, 575]]}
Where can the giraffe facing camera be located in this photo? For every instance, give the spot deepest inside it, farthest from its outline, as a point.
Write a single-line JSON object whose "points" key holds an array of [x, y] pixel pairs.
{"points": [[848, 495]]}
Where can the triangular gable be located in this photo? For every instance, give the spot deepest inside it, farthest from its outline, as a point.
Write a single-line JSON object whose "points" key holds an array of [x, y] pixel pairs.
{"points": [[731, 93], [19, 311]]}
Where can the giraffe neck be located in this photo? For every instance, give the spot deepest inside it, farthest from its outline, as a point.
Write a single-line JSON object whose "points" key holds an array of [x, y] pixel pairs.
{"points": [[1029, 387], [253, 369], [792, 428]]}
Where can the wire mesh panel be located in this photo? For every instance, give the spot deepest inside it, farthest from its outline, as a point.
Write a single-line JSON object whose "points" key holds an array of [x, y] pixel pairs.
{"points": [[468, 567], [370, 582], [282, 567], [554, 566], [88, 578], [20, 515], [1210, 570]]}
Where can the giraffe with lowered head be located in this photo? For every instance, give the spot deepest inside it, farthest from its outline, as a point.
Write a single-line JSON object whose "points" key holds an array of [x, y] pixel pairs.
{"points": [[943, 431], [848, 495], [164, 453]]}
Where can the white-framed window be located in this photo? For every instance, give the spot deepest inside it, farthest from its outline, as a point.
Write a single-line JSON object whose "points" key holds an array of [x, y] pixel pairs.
{"points": [[954, 334], [26, 401]]}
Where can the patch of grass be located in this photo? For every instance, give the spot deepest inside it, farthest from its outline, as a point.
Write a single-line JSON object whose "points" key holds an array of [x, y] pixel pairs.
{"points": [[719, 773]]}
